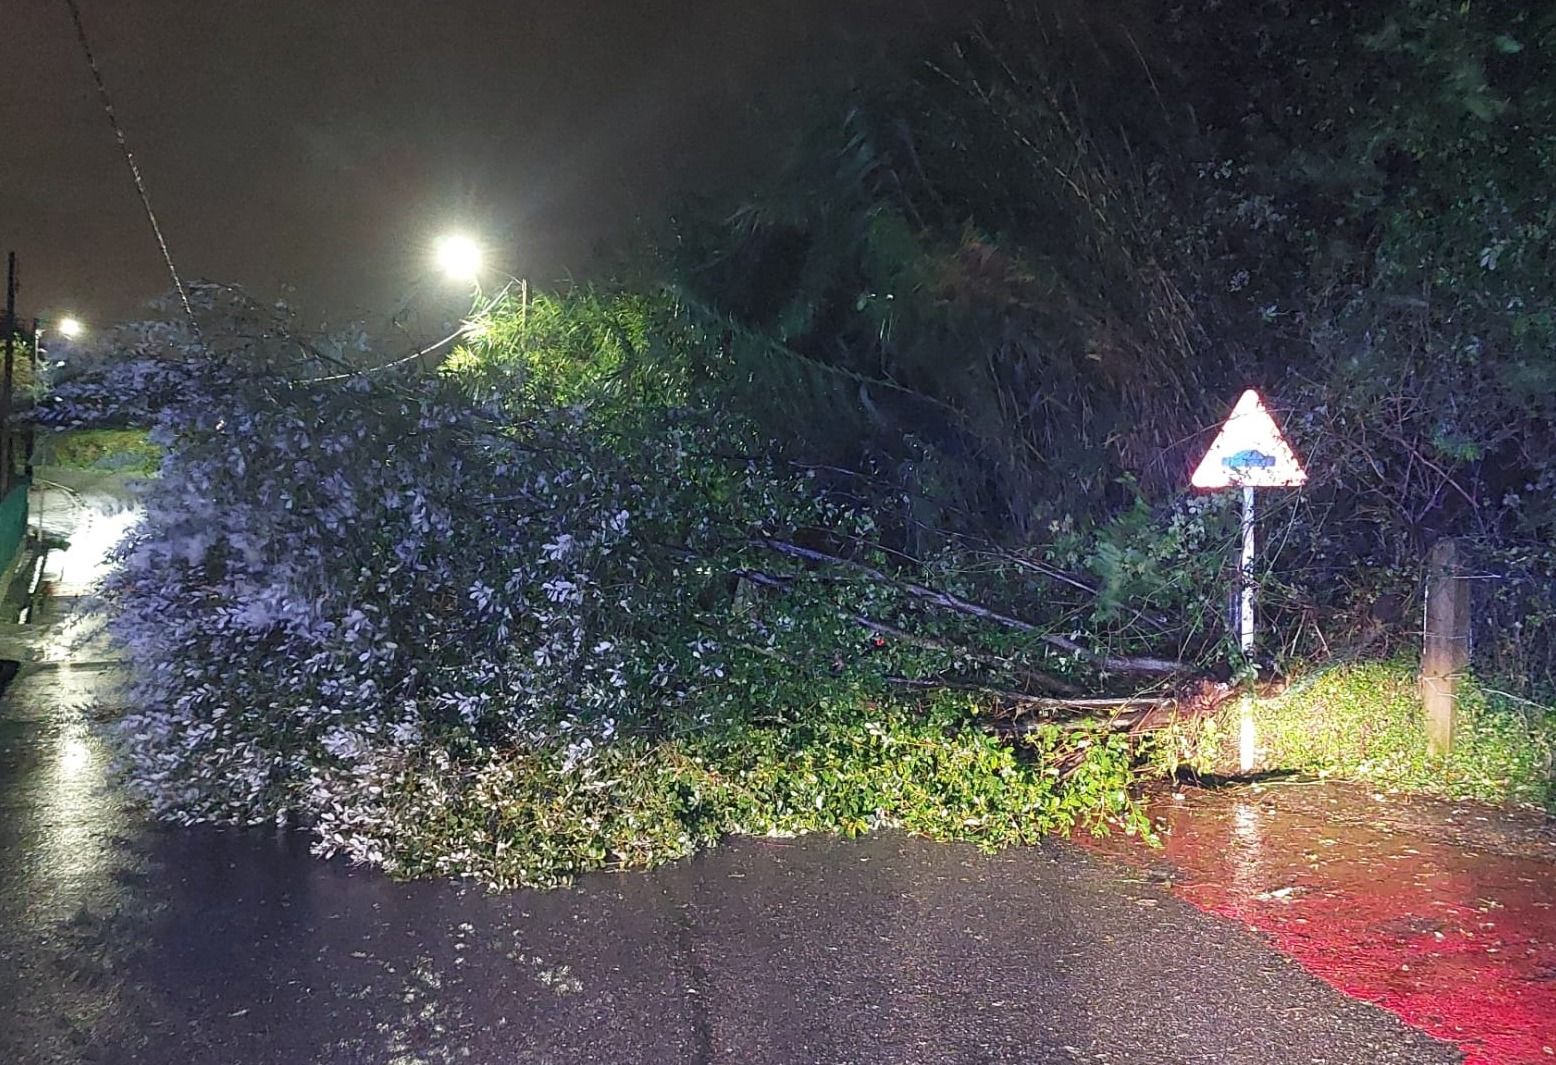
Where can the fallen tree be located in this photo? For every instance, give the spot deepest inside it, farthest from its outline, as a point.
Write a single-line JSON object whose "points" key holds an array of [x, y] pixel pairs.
{"points": [[370, 604]]}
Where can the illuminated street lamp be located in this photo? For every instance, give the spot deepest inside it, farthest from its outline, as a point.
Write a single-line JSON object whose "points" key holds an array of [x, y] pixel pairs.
{"points": [[462, 260], [66, 326], [459, 258]]}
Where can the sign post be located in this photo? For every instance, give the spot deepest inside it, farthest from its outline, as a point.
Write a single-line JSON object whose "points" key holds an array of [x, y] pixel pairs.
{"points": [[1245, 571], [1250, 452]]}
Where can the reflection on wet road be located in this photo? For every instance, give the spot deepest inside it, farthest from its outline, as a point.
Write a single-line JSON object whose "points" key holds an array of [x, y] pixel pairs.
{"points": [[1455, 935]]}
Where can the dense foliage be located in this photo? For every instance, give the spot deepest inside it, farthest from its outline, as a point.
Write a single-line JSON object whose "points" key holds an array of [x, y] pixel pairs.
{"points": [[128, 451], [1363, 722], [518, 639]]}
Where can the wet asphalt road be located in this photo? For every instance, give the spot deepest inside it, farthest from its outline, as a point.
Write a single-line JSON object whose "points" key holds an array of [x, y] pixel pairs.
{"points": [[124, 942]]}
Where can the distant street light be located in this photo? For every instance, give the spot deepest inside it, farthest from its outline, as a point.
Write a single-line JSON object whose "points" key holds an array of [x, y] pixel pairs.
{"points": [[66, 326], [459, 258]]}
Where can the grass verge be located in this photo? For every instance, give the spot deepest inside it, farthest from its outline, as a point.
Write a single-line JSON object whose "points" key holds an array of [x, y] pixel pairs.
{"points": [[120, 450], [1363, 722]]}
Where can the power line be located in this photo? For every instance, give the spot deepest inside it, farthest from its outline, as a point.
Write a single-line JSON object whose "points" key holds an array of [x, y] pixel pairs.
{"points": [[418, 353], [129, 160]]}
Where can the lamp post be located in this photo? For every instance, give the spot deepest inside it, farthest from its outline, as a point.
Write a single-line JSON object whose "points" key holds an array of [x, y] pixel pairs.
{"points": [[67, 326], [459, 257], [5, 384], [462, 259]]}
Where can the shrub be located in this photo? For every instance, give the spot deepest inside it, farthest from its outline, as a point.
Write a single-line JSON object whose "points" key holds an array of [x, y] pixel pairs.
{"points": [[535, 817]]}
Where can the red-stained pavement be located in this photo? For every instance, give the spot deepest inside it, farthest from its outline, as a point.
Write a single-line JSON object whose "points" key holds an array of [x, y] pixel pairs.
{"points": [[1444, 915]]}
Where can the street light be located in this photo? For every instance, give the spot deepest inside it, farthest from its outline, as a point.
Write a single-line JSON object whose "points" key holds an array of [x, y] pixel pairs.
{"points": [[459, 258], [66, 326]]}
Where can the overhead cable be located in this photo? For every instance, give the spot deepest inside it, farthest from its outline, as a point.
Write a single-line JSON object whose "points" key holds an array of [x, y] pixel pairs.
{"points": [[129, 160]]}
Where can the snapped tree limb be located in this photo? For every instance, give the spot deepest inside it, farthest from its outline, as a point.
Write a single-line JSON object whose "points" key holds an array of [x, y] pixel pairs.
{"points": [[1046, 681], [1039, 702], [1199, 700], [1138, 664]]}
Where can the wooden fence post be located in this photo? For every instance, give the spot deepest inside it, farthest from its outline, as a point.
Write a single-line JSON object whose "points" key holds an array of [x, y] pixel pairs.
{"points": [[1446, 643]]}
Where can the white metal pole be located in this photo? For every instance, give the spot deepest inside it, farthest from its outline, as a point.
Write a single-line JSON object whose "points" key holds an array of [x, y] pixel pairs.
{"points": [[1245, 611], [1247, 740]]}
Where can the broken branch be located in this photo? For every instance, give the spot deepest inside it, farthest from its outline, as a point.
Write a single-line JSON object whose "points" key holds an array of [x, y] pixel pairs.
{"points": [[949, 601]]}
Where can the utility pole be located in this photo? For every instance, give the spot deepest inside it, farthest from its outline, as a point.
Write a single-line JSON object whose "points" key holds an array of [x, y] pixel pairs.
{"points": [[6, 451], [30, 439]]}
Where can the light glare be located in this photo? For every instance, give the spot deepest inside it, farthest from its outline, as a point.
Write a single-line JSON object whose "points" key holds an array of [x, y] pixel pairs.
{"points": [[70, 328], [459, 257]]}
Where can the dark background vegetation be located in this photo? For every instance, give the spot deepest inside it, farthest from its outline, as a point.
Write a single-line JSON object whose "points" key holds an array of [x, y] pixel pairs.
{"points": [[1025, 278], [997, 272]]}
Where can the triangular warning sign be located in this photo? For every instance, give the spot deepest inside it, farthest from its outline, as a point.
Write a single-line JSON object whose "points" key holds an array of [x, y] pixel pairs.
{"points": [[1250, 452]]}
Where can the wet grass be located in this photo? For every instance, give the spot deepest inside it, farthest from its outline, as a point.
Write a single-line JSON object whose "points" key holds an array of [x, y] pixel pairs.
{"points": [[1363, 722], [127, 451]]}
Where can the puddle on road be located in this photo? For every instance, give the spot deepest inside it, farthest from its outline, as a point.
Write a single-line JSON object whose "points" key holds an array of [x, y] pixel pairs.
{"points": [[1456, 940]]}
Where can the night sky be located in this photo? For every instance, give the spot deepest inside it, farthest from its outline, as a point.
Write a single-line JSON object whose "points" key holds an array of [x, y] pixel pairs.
{"points": [[322, 144]]}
